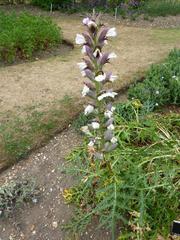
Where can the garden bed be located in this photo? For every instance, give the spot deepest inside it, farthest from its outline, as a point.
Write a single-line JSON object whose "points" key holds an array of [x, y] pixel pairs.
{"points": [[62, 49], [22, 35]]}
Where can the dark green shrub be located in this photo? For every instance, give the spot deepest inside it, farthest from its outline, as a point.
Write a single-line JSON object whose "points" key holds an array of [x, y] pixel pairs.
{"points": [[161, 85], [22, 35], [46, 4], [161, 7]]}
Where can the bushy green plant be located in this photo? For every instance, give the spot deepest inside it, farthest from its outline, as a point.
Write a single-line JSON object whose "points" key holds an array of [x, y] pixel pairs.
{"points": [[161, 7], [46, 4], [136, 187], [14, 194], [161, 85], [22, 35]]}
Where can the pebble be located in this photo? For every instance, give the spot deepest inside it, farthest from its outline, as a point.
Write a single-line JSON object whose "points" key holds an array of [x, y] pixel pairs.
{"points": [[55, 224]]}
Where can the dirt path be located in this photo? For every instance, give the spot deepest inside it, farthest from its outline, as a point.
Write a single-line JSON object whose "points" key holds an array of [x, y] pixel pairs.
{"points": [[53, 78], [43, 220]]}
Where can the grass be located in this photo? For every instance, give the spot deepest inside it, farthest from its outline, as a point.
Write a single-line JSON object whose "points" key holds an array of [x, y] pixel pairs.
{"points": [[166, 36], [33, 127], [163, 8]]}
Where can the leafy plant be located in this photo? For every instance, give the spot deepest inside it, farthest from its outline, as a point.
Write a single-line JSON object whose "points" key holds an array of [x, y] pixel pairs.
{"points": [[21, 35], [46, 4], [14, 194], [161, 84], [138, 188], [161, 7]]}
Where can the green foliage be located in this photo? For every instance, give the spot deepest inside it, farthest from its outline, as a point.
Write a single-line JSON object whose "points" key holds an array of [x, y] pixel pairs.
{"points": [[161, 85], [46, 4], [163, 8], [137, 185], [14, 194], [22, 35]]}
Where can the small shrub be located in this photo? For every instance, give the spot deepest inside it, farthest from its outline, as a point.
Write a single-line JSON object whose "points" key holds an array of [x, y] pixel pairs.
{"points": [[46, 4], [161, 7], [22, 35], [161, 85], [14, 194]]}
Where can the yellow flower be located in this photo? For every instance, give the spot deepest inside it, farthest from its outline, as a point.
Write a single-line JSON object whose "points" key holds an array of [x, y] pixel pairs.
{"points": [[136, 103], [68, 195]]}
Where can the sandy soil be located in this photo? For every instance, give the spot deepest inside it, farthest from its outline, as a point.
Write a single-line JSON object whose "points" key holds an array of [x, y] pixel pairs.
{"points": [[52, 78]]}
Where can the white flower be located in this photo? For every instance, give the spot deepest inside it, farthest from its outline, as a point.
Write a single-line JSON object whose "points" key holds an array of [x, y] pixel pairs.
{"points": [[157, 92], [114, 140], [112, 78], [97, 52], [95, 125], [91, 23], [111, 127], [156, 104], [82, 65], [100, 78], [91, 144], [83, 51], [83, 73], [107, 94], [80, 39], [112, 55], [85, 90], [113, 109], [85, 130], [89, 109], [86, 21], [111, 32], [108, 114], [162, 77], [174, 76]]}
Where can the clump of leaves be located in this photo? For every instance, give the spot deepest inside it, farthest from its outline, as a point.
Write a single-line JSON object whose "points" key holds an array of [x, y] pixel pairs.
{"points": [[21, 35], [138, 185], [161, 85], [14, 194]]}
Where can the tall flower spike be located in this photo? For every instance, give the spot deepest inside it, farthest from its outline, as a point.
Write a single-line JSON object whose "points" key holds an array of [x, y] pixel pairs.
{"points": [[100, 130]]}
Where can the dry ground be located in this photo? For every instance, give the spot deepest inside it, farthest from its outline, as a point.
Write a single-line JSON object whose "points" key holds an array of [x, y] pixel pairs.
{"points": [[53, 78]]}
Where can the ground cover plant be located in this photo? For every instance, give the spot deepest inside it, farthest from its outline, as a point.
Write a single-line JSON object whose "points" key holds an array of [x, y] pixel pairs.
{"points": [[14, 194], [161, 85], [135, 186], [21, 35]]}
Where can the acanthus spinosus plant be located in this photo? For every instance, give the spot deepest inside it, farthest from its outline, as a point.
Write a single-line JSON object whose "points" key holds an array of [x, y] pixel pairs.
{"points": [[100, 131]]}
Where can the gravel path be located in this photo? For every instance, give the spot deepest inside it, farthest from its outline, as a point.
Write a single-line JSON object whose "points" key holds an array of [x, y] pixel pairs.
{"points": [[43, 220]]}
